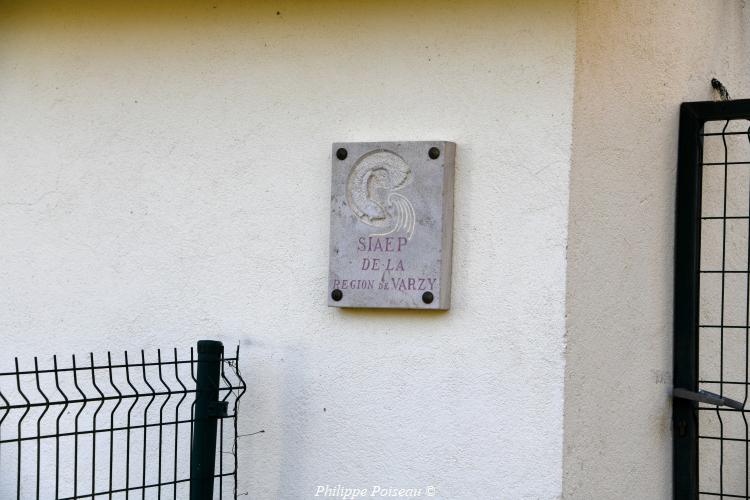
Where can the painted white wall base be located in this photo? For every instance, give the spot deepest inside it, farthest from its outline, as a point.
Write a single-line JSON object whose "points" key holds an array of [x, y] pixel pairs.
{"points": [[165, 177]]}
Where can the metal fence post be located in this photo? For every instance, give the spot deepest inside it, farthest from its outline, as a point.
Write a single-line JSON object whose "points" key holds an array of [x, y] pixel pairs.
{"points": [[207, 411]]}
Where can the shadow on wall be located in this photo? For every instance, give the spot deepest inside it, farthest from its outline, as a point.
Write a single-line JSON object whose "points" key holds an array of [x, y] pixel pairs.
{"points": [[163, 15]]}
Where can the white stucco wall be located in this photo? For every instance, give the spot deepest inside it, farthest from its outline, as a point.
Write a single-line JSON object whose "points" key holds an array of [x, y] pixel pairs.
{"points": [[636, 62], [164, 177]]}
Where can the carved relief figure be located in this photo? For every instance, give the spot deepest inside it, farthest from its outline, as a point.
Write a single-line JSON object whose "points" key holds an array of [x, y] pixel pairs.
{"points": [[372, 193]]}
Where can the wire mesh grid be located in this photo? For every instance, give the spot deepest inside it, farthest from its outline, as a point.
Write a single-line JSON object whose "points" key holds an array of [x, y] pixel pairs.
{"points": [[111, 426], [723, 313]]}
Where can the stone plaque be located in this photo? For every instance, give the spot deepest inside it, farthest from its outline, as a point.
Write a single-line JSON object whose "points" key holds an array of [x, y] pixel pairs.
{"points": [[391, 225]]}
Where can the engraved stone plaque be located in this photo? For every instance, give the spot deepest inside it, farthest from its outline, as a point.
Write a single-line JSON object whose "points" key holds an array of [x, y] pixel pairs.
{"points": [[391, 225]]}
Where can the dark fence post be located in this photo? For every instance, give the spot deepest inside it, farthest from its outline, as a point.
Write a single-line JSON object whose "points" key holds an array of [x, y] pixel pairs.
{"points": [[203, 458]]}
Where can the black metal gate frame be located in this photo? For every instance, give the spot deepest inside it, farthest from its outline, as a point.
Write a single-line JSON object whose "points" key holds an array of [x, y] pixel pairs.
{"points": [[693, 116]]}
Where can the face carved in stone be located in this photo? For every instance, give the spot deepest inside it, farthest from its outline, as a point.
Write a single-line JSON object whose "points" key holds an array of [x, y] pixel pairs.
{"points": [[372, 193]]}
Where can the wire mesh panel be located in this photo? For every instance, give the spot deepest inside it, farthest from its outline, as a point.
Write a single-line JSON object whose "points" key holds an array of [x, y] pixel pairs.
{"points": [[722, 309], [117, 426], [712, 293]]}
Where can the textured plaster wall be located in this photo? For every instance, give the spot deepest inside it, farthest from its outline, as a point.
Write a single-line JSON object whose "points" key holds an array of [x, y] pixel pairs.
{"points": [[636, 61], [164, 177]]}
